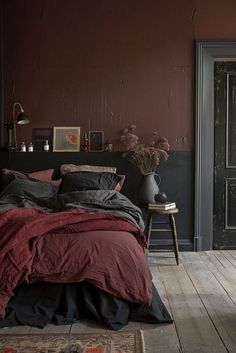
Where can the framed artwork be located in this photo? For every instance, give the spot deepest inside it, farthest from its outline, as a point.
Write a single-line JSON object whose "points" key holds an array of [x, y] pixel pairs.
{"points": [[39, 137], [66, 139], [96, 141]]}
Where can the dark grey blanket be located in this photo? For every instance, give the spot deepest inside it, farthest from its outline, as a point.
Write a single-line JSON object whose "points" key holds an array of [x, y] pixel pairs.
{"points": [[21, 192]]}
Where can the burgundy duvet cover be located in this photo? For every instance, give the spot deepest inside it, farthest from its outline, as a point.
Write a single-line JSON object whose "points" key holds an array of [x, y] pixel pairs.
{"points": [[72, 246], [88, 242]]}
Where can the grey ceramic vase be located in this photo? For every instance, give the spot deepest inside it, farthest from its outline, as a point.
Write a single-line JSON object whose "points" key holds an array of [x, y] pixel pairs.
{"points": [[148, 189]]}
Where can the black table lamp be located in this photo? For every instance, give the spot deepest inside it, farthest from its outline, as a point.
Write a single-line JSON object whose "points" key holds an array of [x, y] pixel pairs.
{"points": [[19, 117]]}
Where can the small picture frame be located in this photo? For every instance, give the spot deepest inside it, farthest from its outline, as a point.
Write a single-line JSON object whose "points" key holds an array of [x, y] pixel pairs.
{"points": [[66, 139], [96, 141], [39, 137]]}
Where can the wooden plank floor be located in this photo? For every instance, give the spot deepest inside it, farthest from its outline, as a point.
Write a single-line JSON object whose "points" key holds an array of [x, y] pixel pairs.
{"points": [[200, 294]]}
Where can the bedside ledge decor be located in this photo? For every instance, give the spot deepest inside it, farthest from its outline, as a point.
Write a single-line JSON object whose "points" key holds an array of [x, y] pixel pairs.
{"points": [[147, 158]]}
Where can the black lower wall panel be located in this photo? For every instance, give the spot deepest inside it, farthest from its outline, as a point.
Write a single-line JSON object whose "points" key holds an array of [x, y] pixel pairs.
{"points": [[177, 179]]}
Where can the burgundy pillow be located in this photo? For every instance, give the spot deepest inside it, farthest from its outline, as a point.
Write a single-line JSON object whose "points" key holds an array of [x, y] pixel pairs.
{"points": [[43, 175], [120, 183]]}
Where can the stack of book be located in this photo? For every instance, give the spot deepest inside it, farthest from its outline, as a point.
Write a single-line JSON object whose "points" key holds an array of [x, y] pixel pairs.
{"points": [[161, 206]]}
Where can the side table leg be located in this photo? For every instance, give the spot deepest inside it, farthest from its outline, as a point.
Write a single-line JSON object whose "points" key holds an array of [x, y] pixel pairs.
{"points": [[149, 229], [174, 236]]}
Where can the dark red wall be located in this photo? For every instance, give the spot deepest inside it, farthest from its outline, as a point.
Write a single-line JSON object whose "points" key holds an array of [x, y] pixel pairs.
{"points": [[110, 62]]}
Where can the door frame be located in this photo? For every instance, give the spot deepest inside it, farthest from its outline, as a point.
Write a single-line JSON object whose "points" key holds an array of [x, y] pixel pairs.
{"points": [[206, 54]]}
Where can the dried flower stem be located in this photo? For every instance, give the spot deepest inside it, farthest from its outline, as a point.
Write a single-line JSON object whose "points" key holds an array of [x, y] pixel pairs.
{"points": [[147, 157]]}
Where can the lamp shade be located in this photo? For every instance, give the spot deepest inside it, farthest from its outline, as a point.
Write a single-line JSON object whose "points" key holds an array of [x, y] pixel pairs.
{"points": [[22, 118]]}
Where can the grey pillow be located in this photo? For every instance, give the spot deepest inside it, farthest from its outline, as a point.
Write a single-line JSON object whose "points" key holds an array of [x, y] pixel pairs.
{"points": [[82, 181], [29, 188]]}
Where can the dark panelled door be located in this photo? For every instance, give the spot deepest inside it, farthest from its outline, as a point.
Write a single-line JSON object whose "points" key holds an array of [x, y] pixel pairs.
{"points": [[225, 156]]}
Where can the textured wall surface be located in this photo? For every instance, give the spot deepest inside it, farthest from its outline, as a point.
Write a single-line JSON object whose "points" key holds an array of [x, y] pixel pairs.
{"points": [[106, 64]]}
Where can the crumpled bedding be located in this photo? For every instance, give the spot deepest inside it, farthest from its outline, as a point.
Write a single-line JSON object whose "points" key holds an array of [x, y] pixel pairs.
{"points": [[25, 193], [84, 235]]}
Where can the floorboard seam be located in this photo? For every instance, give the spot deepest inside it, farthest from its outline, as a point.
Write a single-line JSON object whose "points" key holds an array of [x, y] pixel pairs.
{"points": [[187, 272], [169, 305], [216, 276]]}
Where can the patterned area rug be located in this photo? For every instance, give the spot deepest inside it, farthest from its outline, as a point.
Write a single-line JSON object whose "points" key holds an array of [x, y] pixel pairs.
{"points": [[117, 342]]}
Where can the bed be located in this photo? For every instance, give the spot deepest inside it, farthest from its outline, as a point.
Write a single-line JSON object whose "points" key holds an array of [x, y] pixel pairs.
{"points": [[73, 248]]}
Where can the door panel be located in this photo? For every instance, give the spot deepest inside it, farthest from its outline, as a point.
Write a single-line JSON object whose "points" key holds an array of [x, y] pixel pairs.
{"points": [[225, 156], [230, 118], [230, 209]]}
